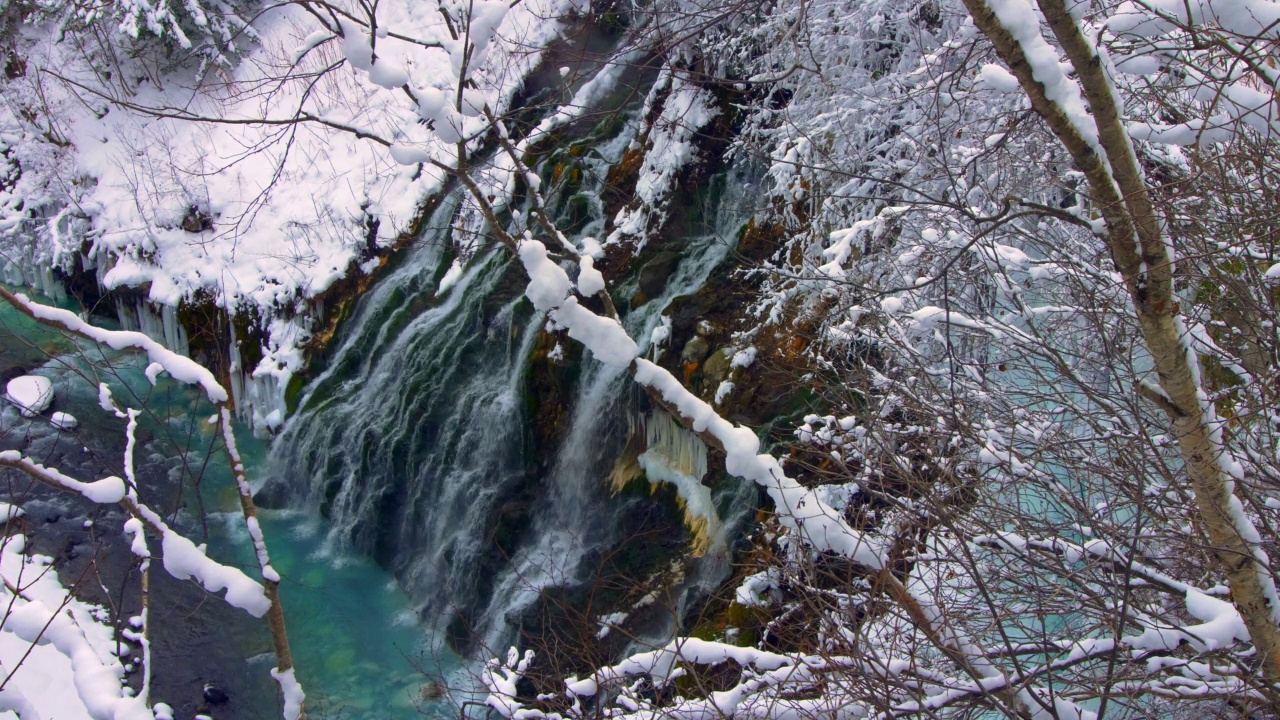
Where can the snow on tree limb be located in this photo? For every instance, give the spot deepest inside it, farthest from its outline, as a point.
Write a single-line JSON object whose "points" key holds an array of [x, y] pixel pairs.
{"points": [[181, 557], [813, 520], [188, 561], [183, 369]]}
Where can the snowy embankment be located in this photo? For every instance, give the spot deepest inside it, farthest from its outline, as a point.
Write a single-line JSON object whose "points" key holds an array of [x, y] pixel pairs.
{"points": [[258, 219]]}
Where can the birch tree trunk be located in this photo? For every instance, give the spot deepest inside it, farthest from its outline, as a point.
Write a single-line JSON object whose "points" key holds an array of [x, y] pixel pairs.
{"points": [[1136, 243]]}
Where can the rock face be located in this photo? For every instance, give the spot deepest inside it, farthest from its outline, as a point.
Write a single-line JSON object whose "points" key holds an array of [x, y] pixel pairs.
{"points": [[31, 393]]}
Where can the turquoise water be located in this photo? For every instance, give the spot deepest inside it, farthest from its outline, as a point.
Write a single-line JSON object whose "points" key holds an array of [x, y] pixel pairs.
{"points": [[358, 646]]}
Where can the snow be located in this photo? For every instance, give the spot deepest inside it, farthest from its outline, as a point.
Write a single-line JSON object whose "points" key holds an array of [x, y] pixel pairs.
{"points": [[31, 393], [688, 107], [1022, 21], [997, 78], [451, 277], [292, 691], [64, 421], [548, 284], [288, 218], [722, 391], [752, 592], [10, 512], [107, 490], [549, 289], [590, 280], [183, 560], [609, 622], [183, 369], [605, 337]]}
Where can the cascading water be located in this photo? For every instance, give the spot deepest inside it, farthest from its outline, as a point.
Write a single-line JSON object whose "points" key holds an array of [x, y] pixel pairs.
{"points": [[416, 441], [414, 435]]}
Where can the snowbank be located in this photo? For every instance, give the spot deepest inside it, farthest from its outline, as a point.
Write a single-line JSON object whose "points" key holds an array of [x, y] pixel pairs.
{"points": [[257, 218]]}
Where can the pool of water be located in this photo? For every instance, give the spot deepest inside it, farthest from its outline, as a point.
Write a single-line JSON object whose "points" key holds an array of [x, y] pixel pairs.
{"points": [[358, 645]]}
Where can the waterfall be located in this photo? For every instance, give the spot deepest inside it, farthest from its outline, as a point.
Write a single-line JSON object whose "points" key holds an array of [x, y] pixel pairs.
{"points": [[416, 439]]}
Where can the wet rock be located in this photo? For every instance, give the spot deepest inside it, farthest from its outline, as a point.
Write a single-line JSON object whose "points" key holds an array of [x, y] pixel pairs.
{"points": [[215, 695], [655, 274]]}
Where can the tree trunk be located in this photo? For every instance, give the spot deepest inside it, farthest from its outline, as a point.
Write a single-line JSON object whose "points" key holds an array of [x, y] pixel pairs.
{"points": [[1134, 238]]}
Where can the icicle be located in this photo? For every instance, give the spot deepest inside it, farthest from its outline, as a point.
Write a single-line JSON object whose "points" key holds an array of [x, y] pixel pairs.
{"points": [[237, 376], [682, 451], [675, 456], [175, 335], [13, 273]]}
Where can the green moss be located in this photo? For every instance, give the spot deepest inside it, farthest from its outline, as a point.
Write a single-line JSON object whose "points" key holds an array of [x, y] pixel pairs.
{"points": [[293, 392]]}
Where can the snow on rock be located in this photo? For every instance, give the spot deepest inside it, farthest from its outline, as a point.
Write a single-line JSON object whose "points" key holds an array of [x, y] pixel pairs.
{"points": [[723, 390], [230, 213], [672, 146], [64, 421], [31, 393], [756, 588]]}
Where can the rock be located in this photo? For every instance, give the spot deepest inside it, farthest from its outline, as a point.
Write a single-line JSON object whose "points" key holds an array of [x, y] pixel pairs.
{"points": [[31, 393], [64, 421], [215, 695], [695, 350], [655, 274], [716, 369]]}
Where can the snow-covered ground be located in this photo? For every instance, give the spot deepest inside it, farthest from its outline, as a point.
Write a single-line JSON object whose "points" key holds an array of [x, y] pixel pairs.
{"points": [[259, 218]]}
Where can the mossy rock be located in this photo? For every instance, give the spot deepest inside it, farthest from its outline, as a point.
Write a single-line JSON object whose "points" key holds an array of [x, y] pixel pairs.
{"points": [[577, 213], [548, 388], [716, 369]]}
